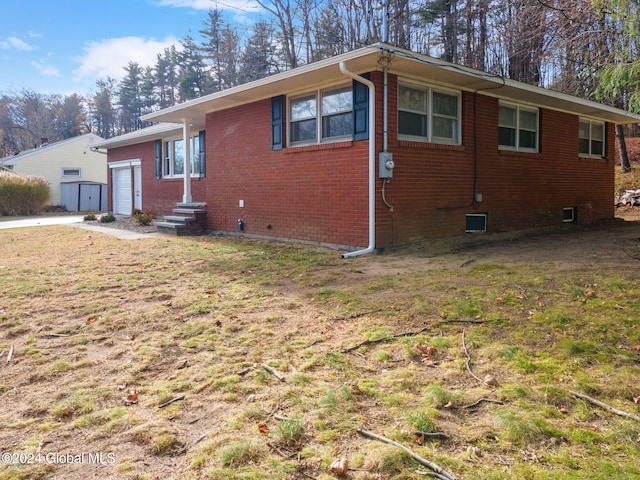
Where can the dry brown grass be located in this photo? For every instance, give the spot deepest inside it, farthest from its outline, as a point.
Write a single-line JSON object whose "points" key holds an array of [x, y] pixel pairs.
{"points": [[90, 318]]}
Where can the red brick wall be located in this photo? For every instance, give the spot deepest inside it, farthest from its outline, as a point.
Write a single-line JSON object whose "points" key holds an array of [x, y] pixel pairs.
{"points": [[320, 193], [159, 196], [314, 193], [432, 188]]}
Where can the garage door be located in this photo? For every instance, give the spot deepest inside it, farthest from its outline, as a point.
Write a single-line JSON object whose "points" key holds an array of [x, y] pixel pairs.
{"points": [[122, 191]]}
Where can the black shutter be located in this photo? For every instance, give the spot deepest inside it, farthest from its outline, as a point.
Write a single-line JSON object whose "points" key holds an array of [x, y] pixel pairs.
{"points": [[158, 158], [277, 122], [202, 154], [360, 110]]}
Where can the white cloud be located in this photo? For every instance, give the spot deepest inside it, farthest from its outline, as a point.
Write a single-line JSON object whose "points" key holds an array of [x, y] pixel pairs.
{"points": [[242, 5], [17, 44], [35, 34], [109, 57], [46, 69]]}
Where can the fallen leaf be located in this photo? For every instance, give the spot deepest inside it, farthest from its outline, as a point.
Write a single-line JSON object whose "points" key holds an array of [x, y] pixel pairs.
{"points": [[563, 410], [339, 467], [491, 381], [428, 362], [67, 411], [211, 291], [636, 400], [131, 397], [264, 428], [426, 349], [218, 323], [122, 387]]}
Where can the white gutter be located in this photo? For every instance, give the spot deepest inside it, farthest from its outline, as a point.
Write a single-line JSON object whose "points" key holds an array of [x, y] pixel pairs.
{"points": [[372, 161]]}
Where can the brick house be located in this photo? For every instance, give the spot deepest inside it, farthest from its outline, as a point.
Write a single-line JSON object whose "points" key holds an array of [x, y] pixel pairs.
{"points": [[374, 148]]}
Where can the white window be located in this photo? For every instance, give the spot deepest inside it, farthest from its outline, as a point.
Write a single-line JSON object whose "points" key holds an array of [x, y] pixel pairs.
{"points": [[173, 164], [321, 116], [518, 128], [591, 138], [428, 115], [71, 173]]}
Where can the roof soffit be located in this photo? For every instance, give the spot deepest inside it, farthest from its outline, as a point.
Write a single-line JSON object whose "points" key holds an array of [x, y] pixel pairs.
{"points": [[402, 63]]}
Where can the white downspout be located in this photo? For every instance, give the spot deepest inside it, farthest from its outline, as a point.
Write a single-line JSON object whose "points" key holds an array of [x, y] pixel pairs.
{"points": [[186, 136], [372, 161]]}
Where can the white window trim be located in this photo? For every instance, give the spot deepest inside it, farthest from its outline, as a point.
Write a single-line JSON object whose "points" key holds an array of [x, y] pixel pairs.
{"points": [[518, 148], [604, 138], [65, 175], [319, 117], [165, 156], [430, 138]]}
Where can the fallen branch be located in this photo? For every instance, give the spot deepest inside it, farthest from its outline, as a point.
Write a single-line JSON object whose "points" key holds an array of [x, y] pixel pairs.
{"points": [[244, 371], [162, 405], [442, 474], [475, 404], [426, 474], [468, 359], [58, 335], [382, 339], [605, 406], [274, 372], [201, 437], [431, 435], [474, 321], [355, 315], [10, 354]]}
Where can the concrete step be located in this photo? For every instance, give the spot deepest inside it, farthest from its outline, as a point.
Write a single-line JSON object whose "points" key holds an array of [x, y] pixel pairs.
{"points": [[171, 225], [192, 204], [179, 219], [192, 211]]}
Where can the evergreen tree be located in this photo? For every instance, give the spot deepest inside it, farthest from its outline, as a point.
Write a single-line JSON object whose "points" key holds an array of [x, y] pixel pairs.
{"points": [[193, 80], [257, 57], [103, 115], [71, 117]]}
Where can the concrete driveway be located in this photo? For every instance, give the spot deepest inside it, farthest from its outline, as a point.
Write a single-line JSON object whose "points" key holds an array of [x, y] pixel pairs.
{"points": [[39, 221], [74, 221]]}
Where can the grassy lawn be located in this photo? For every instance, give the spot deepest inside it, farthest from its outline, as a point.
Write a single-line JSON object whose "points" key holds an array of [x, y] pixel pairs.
{"points": [[152, 353]]}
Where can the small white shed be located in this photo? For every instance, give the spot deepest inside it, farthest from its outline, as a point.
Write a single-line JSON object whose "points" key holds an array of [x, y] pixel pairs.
{"points": [[70, 162]]}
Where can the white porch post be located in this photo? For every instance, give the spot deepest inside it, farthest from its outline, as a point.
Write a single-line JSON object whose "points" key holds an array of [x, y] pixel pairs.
{"points": [[186, 135]]}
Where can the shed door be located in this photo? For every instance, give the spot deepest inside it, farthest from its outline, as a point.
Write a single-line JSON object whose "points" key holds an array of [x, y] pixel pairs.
{"points": [[90, 198], [122, 204]]}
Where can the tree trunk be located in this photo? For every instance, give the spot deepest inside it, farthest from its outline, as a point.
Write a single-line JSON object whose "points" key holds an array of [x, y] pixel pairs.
{"points": [[622, 149]]}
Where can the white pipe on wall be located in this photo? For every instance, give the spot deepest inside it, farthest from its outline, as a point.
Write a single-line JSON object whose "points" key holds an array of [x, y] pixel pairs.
{"points": [[372, 161]]}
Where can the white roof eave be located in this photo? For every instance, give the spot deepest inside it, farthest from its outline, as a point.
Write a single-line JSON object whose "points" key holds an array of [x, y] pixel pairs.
{"points": [[401, 62]]}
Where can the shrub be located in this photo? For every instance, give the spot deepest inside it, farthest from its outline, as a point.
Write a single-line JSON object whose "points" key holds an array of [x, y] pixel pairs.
{"points": [[108, 218], [22, 194], [90, 217], [141, 218]]}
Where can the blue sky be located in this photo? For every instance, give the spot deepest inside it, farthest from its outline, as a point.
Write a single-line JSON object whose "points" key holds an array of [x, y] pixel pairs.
{"points": [[64, 46]]}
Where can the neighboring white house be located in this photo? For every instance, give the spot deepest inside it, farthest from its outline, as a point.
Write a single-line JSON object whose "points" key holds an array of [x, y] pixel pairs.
{"points": [[76, 174]]}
